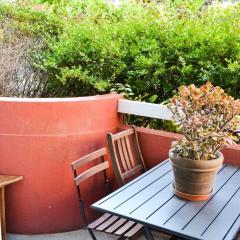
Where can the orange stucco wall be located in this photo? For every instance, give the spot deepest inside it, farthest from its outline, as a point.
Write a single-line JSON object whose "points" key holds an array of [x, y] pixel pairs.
{"points": [[39, 138], [155, 146]]}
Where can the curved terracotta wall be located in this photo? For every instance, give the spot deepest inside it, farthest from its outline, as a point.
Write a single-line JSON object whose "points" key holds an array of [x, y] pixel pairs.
{"points": [[39, 138]]}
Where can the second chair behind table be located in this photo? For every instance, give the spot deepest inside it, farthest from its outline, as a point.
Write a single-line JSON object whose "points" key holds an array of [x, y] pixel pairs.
{"points": [[126, 154], [106, 223]]}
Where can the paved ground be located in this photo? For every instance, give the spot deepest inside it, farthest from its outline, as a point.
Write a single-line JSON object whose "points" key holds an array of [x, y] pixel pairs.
{"points": [[76, 235]]}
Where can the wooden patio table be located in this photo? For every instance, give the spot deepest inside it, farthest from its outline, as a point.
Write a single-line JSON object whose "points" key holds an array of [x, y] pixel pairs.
{"points": [[149, 199], [4, 181]]}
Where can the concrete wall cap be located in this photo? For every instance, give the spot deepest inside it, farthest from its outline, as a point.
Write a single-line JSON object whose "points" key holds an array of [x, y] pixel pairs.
{"points": [[71, 99]]}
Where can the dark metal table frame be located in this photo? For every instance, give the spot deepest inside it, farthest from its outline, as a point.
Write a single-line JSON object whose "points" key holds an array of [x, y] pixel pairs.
{"points": [[149, 199]]}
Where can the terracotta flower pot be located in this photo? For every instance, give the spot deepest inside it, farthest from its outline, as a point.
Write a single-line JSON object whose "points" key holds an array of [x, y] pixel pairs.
{"points": [[194, 179]]}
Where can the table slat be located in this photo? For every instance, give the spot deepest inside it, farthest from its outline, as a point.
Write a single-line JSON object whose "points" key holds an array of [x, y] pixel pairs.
{"points": [[135, 201], [142, 182], [231, 213], [203, 219], [185, 213], [150, 200], [234, 231]]}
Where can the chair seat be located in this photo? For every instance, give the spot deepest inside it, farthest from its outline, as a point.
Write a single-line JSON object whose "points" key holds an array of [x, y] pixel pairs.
{"points": [[115, 225]]}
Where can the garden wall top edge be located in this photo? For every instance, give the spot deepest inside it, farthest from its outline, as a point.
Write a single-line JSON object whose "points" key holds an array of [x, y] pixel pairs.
{"points": [[64, 99], [58, 116]]}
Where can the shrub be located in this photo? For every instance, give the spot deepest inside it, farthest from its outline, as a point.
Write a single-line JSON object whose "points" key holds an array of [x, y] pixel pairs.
{"points": [[153, 48], [23, 38]]}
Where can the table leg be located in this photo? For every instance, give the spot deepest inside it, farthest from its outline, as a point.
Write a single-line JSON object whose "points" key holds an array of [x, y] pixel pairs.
{"points": [[148, 233], [2, 214]]}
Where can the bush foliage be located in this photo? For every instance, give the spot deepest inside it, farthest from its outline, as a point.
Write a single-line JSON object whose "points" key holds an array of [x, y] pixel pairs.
{"points": [[23, 39], [90, 46], [153, 48]]}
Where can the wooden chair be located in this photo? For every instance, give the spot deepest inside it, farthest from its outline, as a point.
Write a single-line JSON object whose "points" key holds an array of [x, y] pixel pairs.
{"points": [[127, 158], [106, 223], [126, 154]]}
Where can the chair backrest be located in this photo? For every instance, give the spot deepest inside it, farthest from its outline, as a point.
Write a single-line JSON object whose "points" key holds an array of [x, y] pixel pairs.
{"points": [[125, 154], [79, 178]]}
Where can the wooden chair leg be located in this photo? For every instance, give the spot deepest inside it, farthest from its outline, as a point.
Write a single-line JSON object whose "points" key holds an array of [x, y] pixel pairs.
{"points": [[2, 214]]}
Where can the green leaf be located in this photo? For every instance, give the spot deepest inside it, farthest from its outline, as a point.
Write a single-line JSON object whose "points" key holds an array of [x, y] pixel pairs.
{"points": [[153, 98]]}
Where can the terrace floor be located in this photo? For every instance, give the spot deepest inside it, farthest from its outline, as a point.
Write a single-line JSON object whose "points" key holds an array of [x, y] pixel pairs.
{"points": [[80, 235]]}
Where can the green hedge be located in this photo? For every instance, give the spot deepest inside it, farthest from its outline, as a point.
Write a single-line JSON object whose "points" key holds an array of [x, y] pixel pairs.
{"points": [[24, 37], [92, 47], [27, 22], [152, 48]]}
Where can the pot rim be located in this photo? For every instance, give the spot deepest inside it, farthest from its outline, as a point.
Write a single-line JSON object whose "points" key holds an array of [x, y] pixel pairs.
{"points": [[219, 156], [196, 165]]}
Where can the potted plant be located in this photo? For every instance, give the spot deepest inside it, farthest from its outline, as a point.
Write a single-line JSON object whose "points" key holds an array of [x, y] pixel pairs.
{"points": [[207, 117]]}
